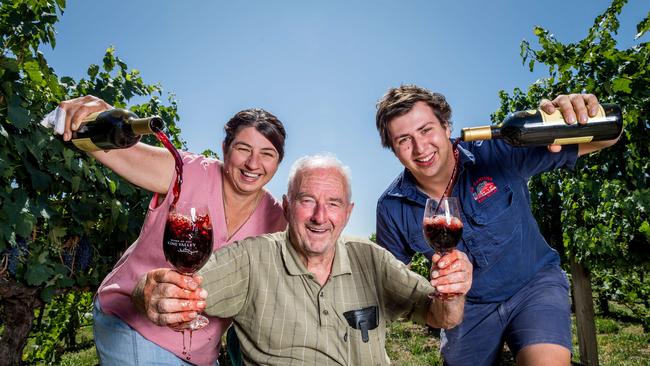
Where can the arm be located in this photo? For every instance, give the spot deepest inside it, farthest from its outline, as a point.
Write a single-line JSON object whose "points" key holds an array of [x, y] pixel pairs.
{"points": [[389, 236], [576, 107], [452, 279], [149, 167]]}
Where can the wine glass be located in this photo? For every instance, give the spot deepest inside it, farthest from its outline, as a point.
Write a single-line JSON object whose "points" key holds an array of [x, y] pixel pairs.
{"points": [[442, 226], [187, 243]]}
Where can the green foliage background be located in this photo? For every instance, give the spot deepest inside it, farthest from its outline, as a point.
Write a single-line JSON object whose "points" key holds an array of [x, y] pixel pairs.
{"points": [[52, 196], [598, 213]]}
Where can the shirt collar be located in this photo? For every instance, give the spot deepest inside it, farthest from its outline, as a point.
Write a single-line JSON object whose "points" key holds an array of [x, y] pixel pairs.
{"points": [[294, 264], [405, 185]]}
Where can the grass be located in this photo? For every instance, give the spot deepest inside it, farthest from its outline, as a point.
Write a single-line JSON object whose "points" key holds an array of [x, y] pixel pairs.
{"points": [[619, 343]]}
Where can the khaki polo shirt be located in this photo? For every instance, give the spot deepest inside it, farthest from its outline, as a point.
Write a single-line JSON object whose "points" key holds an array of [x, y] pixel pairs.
{"points": [[283, 316]]}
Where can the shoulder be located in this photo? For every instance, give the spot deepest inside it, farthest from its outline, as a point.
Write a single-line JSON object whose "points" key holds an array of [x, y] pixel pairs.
{"points": [[259, 244], [272, 213], [362, 246], [393, 191], [198, 161]]}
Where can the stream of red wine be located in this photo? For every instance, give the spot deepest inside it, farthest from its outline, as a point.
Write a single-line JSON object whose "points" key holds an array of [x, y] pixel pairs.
{"points": [[452, 180], [160, 135], [178, 163]]}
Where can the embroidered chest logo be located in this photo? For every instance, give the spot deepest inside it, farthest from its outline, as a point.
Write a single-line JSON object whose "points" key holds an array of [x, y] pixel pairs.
{"points": [[483, 188]]}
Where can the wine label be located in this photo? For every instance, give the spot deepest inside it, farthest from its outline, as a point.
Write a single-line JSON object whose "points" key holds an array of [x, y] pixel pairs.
{"points": [[85, 144], [91, 117], [555, 118], [573, 140]]}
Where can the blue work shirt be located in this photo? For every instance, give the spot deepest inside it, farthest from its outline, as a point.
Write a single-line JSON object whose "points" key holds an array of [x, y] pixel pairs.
{"points": [[500, 234]]}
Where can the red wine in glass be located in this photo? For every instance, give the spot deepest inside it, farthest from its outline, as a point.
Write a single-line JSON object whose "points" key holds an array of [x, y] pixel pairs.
{"points": [[442, 235], [442, 226], [187, 244]]}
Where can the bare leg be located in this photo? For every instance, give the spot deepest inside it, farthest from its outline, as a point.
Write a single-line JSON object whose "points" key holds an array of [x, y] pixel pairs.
{"points": [[546, 354]]}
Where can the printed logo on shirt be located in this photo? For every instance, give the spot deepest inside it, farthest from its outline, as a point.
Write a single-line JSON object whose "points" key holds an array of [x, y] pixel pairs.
{"points": [[483, 188]]}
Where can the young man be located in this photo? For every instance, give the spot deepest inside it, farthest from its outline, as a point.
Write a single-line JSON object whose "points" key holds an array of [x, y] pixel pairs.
{"points": [[309, 295], [519, 293]]}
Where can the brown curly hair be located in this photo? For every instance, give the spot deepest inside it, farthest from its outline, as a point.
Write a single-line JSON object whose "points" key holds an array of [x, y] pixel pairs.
{"points": [[399, 101]]}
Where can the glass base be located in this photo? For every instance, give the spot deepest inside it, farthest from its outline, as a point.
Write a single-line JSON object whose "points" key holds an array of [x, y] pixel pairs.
{"points": [[438, 296], [195, 324]]}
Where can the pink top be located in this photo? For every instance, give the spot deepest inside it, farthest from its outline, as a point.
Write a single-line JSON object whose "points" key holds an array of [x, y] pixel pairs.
{"points": [[202, 182]]}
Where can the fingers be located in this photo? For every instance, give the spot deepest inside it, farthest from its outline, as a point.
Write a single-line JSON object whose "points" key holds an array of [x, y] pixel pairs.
{"points": [[168, 276], [171, 297], [452, 274], [574, 107], [77, 109], [554, 148]]}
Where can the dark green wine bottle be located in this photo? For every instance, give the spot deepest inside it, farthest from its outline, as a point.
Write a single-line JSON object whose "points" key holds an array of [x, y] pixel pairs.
{"points": [[535, 127], [113, 129]]}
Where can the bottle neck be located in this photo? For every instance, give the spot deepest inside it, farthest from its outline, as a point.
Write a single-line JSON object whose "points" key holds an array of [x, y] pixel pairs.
{"points": [[145, 126], [480, 133]]}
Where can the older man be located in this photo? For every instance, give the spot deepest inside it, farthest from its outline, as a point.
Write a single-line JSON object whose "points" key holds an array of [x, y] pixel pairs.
{"points": [[308, 295]]}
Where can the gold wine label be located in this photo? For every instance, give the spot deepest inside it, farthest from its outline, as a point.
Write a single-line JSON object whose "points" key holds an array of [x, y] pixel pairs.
{"points": [[91, 117], [555, 118], [573, 140], [85, 144]]}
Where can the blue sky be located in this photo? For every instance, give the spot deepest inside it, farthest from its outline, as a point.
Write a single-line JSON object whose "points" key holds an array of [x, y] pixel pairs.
{"points": [[321, 66]]}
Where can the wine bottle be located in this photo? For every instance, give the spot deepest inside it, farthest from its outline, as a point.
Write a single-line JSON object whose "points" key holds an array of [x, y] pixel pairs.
{"points": [[535, 127], [113, 129]]}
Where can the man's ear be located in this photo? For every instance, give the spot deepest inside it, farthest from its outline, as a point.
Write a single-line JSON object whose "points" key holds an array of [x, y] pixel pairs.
{"points": [[285, 207]]}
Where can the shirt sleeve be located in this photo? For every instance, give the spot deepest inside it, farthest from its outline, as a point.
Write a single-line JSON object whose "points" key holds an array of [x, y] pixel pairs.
{"points": [[390, 237], [530, 161], [406, 293], [226, 278]]}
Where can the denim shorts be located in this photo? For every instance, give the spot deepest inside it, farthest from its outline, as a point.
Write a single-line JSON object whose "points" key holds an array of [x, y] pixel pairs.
{"points": [[119, 344], [538, 313]]}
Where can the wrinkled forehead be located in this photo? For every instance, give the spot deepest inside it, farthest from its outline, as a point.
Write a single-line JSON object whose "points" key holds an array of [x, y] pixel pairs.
{"points": [[328, 182]]}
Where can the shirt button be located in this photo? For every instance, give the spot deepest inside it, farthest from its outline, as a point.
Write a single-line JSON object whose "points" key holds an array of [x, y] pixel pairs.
{"points": [[325, 312], [322, 294], [345, 337]]}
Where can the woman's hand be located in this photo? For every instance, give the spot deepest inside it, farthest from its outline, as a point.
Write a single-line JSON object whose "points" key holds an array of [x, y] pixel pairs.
{"points": [[74, 110]]}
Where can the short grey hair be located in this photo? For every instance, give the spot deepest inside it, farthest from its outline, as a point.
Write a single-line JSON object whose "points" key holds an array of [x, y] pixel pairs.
{"points": [[324, 160]]}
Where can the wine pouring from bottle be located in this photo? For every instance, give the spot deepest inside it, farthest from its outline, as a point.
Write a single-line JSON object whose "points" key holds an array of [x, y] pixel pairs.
{"points": [[113, 129], [536, 127]]}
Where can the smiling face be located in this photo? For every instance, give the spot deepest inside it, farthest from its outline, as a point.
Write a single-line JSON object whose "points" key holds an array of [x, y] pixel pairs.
{"points": [[317, 209], [250, 161], [421, 143]]}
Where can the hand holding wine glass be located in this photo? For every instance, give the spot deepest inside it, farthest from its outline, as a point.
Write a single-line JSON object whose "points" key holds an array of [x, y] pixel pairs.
{"points": [[187, 243], [442, 227]]}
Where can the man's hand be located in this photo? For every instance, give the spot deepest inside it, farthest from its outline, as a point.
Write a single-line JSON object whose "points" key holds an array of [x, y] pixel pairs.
{"points": [[168, 297], [451, 275], [574, 108]]}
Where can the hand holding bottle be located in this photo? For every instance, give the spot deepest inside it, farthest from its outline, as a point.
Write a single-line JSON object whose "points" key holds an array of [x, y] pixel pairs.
{"points": [[575, 108], [91, 125], [67, 117]]}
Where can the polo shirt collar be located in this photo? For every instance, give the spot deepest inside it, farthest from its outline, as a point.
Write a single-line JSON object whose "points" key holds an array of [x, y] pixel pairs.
{"points": [[405, 185], [294, 264]]}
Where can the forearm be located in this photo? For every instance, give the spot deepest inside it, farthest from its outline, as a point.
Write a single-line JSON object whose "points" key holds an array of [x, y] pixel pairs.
{"points": [[446, 314], [148, 167], [588, 148]]}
